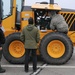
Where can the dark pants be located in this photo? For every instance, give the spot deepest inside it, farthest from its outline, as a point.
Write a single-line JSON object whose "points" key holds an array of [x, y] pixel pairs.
{"points": [[0, 55], [27, 56]]}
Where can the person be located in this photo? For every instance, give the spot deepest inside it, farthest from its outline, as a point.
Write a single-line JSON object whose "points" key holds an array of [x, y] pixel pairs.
{"points": [[30, 36], [58, 22], [2, 37], [2, 41]]}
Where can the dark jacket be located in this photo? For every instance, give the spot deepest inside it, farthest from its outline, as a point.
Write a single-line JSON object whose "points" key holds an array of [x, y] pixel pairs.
{"points": [[58, 23], [2, 38], [30, 36], [1, 9]]}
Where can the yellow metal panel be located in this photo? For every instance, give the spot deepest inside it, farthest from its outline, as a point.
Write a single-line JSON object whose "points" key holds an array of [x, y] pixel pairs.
{"points": [[8, 25], [68, 17], [66, 12], [72, 23], [46, 6], [65, 15], [25, 16], [9, 22], [24, 23], [71, 34], [42, 34]]}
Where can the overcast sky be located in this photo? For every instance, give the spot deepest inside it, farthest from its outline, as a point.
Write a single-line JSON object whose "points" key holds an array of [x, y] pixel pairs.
{"points": [[62, 3]]}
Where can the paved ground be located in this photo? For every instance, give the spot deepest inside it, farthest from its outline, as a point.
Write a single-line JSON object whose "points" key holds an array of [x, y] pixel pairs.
{"points": [[43, 69]]}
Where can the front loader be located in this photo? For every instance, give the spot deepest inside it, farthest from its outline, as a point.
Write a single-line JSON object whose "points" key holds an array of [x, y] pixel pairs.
{"points": [[54, 47]]}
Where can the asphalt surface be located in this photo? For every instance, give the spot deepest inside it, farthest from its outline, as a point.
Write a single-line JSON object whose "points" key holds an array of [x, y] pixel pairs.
{"points": [[43, 68]]}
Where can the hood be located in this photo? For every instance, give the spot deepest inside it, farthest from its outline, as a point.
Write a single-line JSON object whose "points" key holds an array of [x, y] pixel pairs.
{"points": [[30, 27]]}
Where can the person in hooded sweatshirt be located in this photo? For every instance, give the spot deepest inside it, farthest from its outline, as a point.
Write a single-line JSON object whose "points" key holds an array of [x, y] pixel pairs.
{"points": [[2, 36], [30, 36], [58, 22], [2, 41]]}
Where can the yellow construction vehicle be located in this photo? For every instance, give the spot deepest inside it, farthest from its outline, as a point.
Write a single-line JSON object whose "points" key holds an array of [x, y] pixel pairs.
{"points": [[54, 47]]}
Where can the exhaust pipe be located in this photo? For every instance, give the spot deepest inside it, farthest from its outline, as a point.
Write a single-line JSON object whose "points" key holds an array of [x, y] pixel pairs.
{"points": [[51, 1]]}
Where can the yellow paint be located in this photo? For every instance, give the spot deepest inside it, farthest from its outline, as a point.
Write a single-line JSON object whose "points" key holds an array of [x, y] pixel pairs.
{"points": [[16, 49], [46, 6], [25, 16], [9, 22], [56, 49], [71, 35]]}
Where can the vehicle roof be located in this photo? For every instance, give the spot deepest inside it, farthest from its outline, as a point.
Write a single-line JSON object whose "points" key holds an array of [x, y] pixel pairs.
{"points": [[67, 10], [46, 6]]}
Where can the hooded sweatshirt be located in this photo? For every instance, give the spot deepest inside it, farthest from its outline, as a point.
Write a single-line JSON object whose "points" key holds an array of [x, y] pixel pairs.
{"points": [[58, 22], [30, 36], [2, 38]]}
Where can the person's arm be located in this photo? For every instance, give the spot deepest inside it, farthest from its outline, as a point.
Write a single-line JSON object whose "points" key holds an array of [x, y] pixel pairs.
{"points": [[22, 36], [0, 42], [52, 25], [0, 48], [38, 36], [2, 37]]}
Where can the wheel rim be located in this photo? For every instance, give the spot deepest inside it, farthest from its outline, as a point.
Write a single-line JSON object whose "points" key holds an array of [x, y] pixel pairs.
{"points": [[16, 49], [56, 49]]}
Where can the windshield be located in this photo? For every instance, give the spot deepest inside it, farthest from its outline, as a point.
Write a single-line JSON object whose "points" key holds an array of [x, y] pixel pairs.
{"points": [[7, 8], [19, 4]]}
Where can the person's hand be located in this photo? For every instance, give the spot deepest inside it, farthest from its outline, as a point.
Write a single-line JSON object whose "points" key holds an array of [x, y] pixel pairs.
{"points": [[0, 48], [0, 25]]}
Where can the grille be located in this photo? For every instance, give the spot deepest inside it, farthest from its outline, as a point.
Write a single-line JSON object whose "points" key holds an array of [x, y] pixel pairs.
{"points": [[70, 19]]}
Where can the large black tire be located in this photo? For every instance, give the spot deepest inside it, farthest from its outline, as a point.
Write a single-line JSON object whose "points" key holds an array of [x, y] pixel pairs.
{"points": [[6, 52], [59, 37]]}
